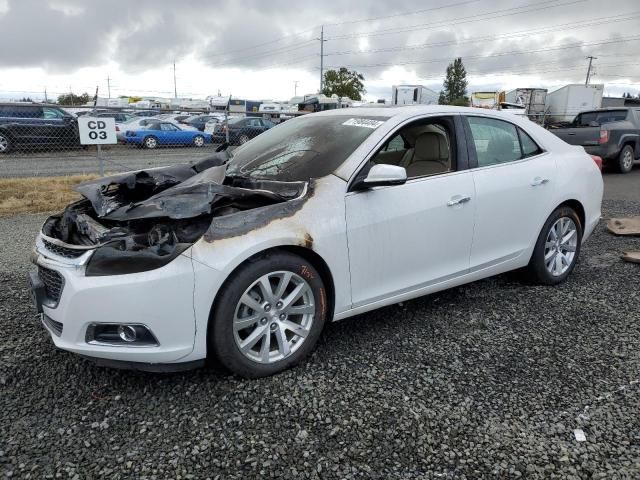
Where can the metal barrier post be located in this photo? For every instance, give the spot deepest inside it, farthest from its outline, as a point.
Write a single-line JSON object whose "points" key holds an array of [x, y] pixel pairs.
{"points": [[226, 124], [100, 161]]}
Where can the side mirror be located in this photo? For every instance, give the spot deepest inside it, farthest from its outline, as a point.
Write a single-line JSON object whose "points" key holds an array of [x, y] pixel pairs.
{"points": [[381, 175]]}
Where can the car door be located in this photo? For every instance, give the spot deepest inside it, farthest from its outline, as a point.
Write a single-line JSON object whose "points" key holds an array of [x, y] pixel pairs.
{"points": [[514, 181], [170, 134], [60, 127], [403, 238]]}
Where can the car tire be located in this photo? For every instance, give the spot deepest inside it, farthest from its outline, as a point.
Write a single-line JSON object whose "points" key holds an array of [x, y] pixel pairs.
{"points": [[150, 142], [242, 139], [5, 143], [283, 338], [625, 159], [556, 252], [198, 141]]}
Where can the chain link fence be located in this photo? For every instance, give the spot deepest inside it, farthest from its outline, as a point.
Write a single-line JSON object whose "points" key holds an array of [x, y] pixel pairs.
{"points": [[43, 140]]}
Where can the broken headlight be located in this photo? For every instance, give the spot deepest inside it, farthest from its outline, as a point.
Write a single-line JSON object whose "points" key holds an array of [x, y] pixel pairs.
{"points": [[144, 251]]}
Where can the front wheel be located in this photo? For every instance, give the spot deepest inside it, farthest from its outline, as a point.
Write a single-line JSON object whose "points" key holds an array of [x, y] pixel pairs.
{"points": [[150, 142], [5, 143], [557, 248], [242, 139], [625, 159], [269, 315], [198, 141]]}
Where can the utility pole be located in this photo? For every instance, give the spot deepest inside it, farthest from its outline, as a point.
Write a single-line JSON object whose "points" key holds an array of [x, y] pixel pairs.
{"points": [[591, 59], [71, 95], [175, 88], [295, 87], [46, 100], [322, 40], [109, 86]]}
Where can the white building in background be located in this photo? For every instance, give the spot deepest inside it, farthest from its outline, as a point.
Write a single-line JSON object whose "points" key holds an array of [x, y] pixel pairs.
{"points": [[413, 95]]}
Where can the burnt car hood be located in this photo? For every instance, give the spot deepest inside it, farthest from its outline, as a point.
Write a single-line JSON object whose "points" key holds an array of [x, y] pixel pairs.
{"points": [[182, 191]]}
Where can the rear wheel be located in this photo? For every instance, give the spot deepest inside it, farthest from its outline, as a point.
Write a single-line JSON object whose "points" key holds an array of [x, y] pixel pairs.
{"points": [[625, 159], [150, 142], [557, 248], [198, 141], [269, 315], [5, 143], [242, 139]]}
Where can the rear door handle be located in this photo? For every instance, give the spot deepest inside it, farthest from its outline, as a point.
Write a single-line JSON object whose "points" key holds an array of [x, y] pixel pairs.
{"points": [[539, 181], [457, 200]]}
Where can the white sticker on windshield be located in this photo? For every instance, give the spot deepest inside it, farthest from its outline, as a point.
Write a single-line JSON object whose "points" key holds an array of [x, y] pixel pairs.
{"points": [[363, 122]]}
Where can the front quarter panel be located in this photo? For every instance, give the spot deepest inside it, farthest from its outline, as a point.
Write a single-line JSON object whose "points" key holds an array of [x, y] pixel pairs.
{"points": [[316, 221]]}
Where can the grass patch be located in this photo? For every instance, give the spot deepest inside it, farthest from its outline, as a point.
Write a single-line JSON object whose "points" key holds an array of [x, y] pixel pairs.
{"points": [[38, 194]]}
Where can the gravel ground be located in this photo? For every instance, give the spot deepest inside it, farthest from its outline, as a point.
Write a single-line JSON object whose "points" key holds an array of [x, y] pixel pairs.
{"points": [[488, 380]]}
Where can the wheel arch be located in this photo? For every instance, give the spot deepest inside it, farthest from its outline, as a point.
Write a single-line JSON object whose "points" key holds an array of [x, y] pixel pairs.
{"points": [[576, 206], [306, 253]]}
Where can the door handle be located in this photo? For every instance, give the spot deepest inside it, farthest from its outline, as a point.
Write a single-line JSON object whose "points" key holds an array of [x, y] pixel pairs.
{"points": [[539, 181], [457, 200], [571, 134]]}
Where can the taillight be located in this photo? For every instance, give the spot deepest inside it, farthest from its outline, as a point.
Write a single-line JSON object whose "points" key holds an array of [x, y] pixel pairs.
{"points": [[598, 161], [225, 129], [604, 136], [117, 128]]}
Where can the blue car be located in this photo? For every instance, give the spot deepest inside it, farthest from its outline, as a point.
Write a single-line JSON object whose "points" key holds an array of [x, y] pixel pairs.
{"points": [[165, 133]]}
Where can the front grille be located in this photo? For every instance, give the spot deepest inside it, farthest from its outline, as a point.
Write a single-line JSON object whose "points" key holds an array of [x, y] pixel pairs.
{"points": [[53, 283], [55, 327], [62, 251]]}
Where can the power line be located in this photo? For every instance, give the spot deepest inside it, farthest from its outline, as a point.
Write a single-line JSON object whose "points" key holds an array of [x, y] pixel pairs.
{"points": [[513, 52], [271, 42], [520, 33], [470, 18], [269, 53], [414, 12]]}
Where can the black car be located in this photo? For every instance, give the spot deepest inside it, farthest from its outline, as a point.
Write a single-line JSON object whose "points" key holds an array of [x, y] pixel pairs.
{"points": [[31, 125], [241, 129], [119, 117], [199, 121]]}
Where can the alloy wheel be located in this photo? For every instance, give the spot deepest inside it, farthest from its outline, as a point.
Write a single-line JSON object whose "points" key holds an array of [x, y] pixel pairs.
{"points": [[198, 141], [243, 139], [627, 160], [150, 142], [560, 246], [273, 317], [4, 144]]}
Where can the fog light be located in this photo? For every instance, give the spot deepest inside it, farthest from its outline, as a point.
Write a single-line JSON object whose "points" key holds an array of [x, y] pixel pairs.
{"points": [[127, 333], [133, 334]]}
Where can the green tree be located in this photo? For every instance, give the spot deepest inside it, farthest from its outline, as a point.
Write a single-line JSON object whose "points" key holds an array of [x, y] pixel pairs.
{"points": [[73, 99], [455, 85], [344, 83]]}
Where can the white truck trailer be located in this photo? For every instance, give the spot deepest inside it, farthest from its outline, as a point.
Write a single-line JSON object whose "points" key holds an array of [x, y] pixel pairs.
{"points": [[413, 95], [564, 104]]}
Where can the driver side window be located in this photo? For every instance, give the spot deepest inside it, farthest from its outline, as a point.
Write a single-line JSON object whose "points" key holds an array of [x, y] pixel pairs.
{"points": [[424, 148]]}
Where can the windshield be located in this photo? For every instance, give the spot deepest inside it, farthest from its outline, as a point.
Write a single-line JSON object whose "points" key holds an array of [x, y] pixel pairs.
{"points": [[310, 146], [601, 117]]}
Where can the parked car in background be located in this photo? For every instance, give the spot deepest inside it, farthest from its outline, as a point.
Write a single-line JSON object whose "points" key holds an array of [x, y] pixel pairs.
{"points": [[31, 125], [241, 129], [145, 113], [246, 256], [610, 133], [199, 121], [159, 133], [136, 123], [119, 117]]}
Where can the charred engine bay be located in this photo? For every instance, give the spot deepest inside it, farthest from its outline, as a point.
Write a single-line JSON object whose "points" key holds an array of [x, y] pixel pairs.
{"points": [[140, 220]]}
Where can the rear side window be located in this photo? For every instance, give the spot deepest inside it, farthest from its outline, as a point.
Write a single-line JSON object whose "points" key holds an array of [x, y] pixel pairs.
{"points": [[51, 113], [600, 117], [529, 147], [496, 141]]}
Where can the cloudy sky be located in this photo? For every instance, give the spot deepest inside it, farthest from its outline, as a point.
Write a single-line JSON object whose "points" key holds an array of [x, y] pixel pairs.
{"points": [[262, 49]]}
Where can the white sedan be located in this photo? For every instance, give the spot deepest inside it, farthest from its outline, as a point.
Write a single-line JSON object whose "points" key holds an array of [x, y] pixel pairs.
{"points": [[246, 256]]}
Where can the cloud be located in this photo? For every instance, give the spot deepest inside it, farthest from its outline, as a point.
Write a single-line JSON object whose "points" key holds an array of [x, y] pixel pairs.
{"points": [[495, 38]]}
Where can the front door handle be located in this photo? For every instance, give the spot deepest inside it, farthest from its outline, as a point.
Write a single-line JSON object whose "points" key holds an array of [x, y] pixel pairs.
{"points": [[457, 200], [539, 181]]}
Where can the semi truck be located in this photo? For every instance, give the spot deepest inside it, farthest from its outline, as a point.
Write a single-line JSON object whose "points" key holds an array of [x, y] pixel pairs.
{"points": [[564, 104], [413, 95]]}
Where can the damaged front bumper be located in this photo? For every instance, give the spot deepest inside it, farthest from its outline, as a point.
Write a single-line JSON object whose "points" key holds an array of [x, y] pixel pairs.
{"points": [[72, 304]]}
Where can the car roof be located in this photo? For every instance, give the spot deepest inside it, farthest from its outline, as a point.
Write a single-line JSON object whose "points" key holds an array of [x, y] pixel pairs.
{"points": [[409, 111]]}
